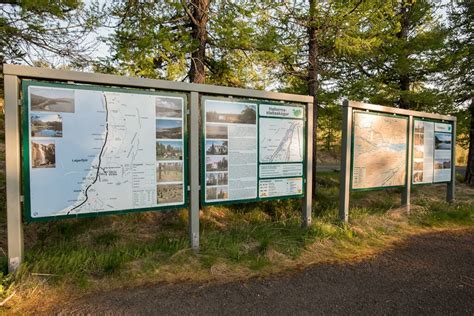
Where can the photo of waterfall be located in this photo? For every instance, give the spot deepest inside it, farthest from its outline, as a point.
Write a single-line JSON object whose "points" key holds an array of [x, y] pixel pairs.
{"points": [[43, 154]]}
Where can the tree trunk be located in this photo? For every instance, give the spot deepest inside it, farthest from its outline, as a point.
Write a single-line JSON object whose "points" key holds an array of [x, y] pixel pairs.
{"points": [[313, 82], [199, 17], [404, 77], [469, 176]]}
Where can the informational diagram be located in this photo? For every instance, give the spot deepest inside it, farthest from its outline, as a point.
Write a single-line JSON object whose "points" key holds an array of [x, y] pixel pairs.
{"points": [[380, 150], [281, 140], [252, 151], [103, 150]]}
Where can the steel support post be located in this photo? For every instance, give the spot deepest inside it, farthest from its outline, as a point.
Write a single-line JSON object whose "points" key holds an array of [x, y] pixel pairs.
{"points": [[451, 193], [406, 193], [345, 177], [194, 172], [308, 198], [13, 160]]}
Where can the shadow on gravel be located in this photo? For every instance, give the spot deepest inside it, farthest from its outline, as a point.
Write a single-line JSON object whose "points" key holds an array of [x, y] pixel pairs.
{"points": [[426, 274]]}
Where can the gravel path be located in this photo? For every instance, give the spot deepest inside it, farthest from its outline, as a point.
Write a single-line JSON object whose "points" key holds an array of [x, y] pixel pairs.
{"points": [[426, 274]]}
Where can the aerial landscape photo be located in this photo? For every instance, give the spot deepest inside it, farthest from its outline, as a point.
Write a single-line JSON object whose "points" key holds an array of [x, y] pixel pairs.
{"points": [[52, 99], [169, 107], [46, 125], [169, 129], [226, 112]]}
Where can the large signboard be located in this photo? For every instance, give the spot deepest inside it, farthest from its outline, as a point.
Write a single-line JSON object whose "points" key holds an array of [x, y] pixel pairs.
{"points": [[251, 150], [432, 151], [94, 150], [379, 153]]}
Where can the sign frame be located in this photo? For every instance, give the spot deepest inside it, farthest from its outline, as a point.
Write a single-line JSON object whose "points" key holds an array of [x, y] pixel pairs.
{"points": [[14, 74], [205, 98], [26, 137], [348, 108], [453, 162]]}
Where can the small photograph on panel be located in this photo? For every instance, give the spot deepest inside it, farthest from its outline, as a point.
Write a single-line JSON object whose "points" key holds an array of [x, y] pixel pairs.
{"points": [[419, 127], [169, 193], [419, 151], [217, 163], [169, 172], [169, 150], [216, 147], [222, 193], [211, 179], [223, 178], [442, 164], [46, 125], [443, 141], [418, 165], [216, 131], [418, 176], [419, 139], [211, 194], [169, 107], [169, 129], [236, 113], [51, 99], [43, 154]]}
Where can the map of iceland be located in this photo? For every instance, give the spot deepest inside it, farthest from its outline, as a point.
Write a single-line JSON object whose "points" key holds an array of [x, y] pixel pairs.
{"points": [[380, 148], [281, 140], [94, 151]]}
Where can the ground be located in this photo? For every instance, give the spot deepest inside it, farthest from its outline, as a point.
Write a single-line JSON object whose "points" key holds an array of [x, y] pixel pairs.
{"points": [[431, 273]]}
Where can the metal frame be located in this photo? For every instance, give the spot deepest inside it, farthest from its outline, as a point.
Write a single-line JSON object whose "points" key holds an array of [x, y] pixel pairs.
{"points": [[13, 74], [348, 108]]}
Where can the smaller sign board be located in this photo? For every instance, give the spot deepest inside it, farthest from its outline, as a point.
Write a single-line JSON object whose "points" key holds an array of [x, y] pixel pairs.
{"points": [[432, 151], [252, 151]]}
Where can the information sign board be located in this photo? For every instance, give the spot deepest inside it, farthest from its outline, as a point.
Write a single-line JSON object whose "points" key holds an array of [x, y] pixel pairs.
{"points": [[379, 151], [90, 150], [432, 151], [251, 150]]}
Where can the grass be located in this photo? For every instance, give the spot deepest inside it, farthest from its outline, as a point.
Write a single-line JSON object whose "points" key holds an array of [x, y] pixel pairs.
{"points": [[71, 257]]}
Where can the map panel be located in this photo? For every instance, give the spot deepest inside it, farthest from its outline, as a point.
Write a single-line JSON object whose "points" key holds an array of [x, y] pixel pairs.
{"points": [[281, 140], [380, 149], [94, 151]]}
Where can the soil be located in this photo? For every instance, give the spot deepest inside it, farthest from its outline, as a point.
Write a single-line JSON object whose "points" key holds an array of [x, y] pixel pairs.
{"points": [[425, 274]]}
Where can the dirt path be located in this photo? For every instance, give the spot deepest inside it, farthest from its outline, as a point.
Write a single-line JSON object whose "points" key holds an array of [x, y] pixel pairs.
{"points": [[427, 274]]}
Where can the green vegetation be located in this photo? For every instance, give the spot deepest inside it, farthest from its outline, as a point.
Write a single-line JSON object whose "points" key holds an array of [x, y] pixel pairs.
{"points": [[238, 241]]}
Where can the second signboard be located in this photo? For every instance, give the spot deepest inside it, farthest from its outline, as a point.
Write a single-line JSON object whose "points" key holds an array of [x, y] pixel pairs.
{"points": [[432, 151], [251, 151]]}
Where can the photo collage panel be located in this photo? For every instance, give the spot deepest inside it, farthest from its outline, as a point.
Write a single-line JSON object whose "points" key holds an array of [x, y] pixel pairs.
{"points": [[47, 108], [217, 162], [169, 150]]}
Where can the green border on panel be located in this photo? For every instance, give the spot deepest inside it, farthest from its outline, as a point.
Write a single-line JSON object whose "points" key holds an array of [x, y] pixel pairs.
{"points": [[416, 118], [94, 87], [352, 150], [203, 153]]}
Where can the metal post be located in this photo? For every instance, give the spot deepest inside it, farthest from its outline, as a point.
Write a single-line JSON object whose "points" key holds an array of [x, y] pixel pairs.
{"points": [[406, 193], [345, 178], [451, 193], [194, 172], [13, 159], [308, 199]]}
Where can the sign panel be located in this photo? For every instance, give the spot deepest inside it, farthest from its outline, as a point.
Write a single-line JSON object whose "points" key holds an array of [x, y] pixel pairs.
{"points": [[245, 142], [379, 156], [432, 161], [93, 150]]}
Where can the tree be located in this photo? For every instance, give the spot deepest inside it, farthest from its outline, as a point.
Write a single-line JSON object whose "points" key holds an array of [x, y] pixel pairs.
{"points": [[401, 70], [33, 30], [459, 72]]}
